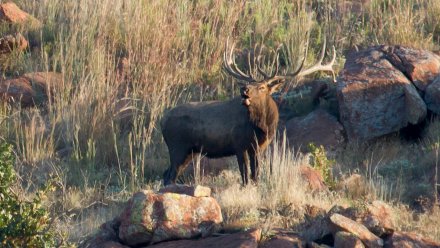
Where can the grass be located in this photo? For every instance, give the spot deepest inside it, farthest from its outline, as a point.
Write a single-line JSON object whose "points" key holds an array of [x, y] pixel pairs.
{"points": [[124, 63]]}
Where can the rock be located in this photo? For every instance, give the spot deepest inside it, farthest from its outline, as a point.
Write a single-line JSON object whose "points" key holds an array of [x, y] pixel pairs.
{"points": [[30, 89], [313, 178], [432, 96], [420, 66], [354, 186], [318, 127], [248, 239], [379, 219], [196, 191], [150, 218], [10, 12], [10, 43], [343, 223], [112, 244], [284, 239], [410, 240], [375, 97], [347, 240], [106, 236]]}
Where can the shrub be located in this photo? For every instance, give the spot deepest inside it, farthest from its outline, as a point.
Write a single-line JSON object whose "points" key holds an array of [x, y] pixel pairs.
{"points": [[320, 162], [22, 223]]}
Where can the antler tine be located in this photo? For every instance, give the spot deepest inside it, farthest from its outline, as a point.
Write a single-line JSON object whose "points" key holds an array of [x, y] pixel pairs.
{"points": [[319, 66], [230, 65], [275, 64]]}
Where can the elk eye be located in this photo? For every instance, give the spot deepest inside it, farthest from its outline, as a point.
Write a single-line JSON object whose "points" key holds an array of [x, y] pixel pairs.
{"points": [[261, 88]]}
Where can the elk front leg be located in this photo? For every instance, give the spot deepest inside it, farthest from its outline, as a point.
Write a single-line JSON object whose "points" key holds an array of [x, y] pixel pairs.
{"points": [[178, 163], [254, 164], [243, 162]]}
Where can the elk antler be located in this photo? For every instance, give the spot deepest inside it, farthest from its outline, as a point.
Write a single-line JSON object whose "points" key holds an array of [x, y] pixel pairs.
{"points": [[231, 67]]}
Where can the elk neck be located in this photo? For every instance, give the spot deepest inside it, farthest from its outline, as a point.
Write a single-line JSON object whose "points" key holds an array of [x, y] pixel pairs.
{"points": [[264, 115]]}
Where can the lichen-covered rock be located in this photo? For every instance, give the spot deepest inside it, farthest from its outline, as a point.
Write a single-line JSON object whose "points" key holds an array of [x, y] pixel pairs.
{"points": [[196, 191], [345, 224], [375, 93], [347, 240], [318, 127], [151, 218], [410, 240], [432, 96]]}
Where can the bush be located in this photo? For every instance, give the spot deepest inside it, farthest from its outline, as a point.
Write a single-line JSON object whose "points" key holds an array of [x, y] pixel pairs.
{"points": [[22, 223]]}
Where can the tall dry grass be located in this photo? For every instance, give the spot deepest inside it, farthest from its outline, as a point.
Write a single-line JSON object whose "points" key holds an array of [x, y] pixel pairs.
{"points": [[125, 62]]}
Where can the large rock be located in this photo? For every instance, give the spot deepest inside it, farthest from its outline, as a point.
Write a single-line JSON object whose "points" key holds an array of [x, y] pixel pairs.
{"points": [[375, 93], [10, 43], [410, 240], [151, 218], [283, 239], [360, 231], [31, 88], [248, 239], [379, 218], [318, 127], [432, 96]]}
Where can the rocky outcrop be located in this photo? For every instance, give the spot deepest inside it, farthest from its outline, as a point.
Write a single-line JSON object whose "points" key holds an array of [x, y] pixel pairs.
{"points": [[318, 127], [150, 218], [378, 90], [347, 240]]}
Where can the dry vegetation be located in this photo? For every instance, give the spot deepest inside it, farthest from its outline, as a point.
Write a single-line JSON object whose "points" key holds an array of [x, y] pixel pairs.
{"points": [[125, 62]]}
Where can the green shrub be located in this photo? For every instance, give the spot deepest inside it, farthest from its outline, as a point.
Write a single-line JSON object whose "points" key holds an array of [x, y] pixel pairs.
{"points": [[322, 164], [22, 223]]}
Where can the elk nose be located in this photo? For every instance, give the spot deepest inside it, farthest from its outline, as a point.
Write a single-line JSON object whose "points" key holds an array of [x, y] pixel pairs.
{"points": [[246, 91]]}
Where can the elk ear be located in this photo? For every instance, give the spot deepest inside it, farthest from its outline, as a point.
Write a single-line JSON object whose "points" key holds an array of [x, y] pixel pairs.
{"points": [[274, 86]]}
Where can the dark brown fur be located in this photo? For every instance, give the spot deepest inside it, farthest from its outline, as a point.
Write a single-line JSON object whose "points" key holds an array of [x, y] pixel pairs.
{"points": [[220, 129]]}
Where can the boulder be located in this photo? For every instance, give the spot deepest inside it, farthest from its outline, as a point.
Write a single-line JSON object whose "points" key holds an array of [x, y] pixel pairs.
{"points": [[30, 89], [313, 178], [432, 96], [420, 66], [196, 191], [10, 43], [318, 127], [248, 239], [347, 240], [379, 219], [150, 218], [11, 13], [410, 240], [283, 239], [375, 93], [345, 224]]}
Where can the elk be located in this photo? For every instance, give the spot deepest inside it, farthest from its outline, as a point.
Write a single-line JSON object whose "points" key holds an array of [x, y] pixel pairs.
{"points": [[243, 126]]}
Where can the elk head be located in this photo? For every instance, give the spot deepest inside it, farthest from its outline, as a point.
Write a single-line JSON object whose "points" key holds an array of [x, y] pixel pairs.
{"points": [[258, 90]]}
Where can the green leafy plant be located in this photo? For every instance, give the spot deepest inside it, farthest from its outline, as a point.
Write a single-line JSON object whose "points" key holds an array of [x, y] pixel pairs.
{"points": [[321, 163], [22, 223]]}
